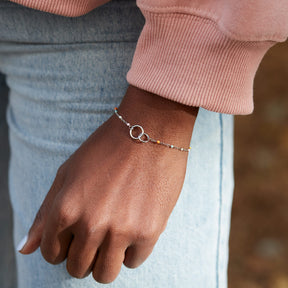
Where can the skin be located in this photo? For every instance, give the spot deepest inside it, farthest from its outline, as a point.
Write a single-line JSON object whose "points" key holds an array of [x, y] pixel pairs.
{"points": [[111, 200]]}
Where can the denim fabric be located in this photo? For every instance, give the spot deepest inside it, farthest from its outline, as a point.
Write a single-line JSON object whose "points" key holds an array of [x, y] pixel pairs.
{"points": [[65, 76], [7, 263]]}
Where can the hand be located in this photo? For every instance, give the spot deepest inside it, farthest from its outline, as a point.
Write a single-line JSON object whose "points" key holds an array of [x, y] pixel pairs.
{"points": [[111, 200]]}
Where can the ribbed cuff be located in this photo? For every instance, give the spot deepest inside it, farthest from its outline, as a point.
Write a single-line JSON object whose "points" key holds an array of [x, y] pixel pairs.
{"points": [[187, 59]]}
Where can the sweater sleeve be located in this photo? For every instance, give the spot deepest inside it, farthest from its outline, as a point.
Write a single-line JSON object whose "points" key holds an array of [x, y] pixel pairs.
{"points": [[206, 53], [67, 8]]}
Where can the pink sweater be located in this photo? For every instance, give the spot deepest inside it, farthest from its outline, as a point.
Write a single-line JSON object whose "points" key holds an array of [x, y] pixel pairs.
{"points": [[197, 52]]}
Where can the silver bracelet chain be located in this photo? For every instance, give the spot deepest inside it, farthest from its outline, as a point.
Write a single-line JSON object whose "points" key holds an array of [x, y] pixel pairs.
{"points": [[144, 137]]}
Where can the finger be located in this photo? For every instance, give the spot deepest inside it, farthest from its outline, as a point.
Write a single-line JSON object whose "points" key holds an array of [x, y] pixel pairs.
{"points": [[55, 249], [57, 233], [136, 254], [109, 261], [35, 232], [82, 254]]}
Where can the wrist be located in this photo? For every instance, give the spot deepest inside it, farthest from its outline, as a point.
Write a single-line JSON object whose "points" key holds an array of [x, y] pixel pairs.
{"points": [[163, 119]]}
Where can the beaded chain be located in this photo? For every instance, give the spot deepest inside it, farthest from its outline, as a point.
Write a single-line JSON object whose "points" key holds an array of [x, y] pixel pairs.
{"points": [[144, 137]]}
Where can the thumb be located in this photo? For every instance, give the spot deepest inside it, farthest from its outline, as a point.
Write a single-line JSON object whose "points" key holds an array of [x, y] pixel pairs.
{"points": [[32, 241]]}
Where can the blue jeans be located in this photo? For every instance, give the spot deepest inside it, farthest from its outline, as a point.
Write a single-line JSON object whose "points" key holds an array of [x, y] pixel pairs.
{"points": [[65, 76]]}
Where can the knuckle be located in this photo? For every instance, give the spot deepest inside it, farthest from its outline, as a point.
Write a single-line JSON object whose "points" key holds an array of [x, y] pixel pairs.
{"points": [[132, 260], [120, 232], [123, 228], [139, 233], [74, 269], [129, 260], [64, 219], [103, 275], [88, 232], [92, 228], [50, 257], [131, 264], [49, 251], [65, 215], [147, 234]]}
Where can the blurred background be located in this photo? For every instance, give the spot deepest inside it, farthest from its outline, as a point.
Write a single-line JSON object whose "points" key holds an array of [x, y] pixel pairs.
{"points": [[259, 225], [259, 231]]}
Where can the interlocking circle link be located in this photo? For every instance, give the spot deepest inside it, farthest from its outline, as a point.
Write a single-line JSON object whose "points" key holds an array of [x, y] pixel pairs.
{"points": [[140, 135], [146, 138]]}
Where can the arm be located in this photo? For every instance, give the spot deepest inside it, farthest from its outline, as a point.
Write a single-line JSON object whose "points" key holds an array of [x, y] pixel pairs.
{"points": [[113, 196]]}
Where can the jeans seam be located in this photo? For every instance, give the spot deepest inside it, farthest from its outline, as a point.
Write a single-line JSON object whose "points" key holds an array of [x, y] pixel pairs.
{"points": [[220, 200]]}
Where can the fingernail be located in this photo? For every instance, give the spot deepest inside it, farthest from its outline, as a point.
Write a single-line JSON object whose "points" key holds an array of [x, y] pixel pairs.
{"points": [[22, 243]]}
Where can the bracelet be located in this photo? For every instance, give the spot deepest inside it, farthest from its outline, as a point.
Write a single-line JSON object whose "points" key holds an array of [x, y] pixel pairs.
{"points": [[144, 137]]}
